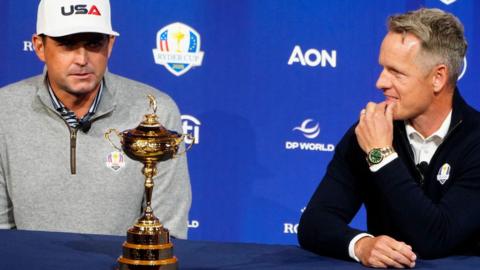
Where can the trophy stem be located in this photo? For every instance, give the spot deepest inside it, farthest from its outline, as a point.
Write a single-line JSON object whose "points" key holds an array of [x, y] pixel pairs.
{"points": [[149, 171], [148, 245]]}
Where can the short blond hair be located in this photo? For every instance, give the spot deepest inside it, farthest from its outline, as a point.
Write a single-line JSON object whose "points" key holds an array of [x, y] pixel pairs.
{"points": [[441, 34]]}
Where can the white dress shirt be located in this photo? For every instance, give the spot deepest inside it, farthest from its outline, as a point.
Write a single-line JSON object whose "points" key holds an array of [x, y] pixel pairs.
{"points": [[423, 150]]}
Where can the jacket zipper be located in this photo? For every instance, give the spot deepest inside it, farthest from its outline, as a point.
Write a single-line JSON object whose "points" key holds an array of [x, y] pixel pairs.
{"points": [[73, 146], [410, 154], [73, 150], [73, 139], [445, 138]]}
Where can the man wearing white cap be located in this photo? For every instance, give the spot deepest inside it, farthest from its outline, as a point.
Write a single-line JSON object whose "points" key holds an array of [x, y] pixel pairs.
{"points": [[57, 171]]}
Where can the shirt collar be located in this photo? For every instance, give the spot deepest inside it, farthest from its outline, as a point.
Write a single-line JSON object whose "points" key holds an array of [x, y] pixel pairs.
{"points": [[440, 133], [58, 105]]}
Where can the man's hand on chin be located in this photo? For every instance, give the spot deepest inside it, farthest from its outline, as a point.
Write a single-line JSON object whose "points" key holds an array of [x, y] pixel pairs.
{"points": [[383, 252], [375, 126]]}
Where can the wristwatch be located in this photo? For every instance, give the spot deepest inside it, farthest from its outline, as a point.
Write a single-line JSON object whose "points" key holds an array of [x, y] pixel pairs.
{"points": [[376, 155]]}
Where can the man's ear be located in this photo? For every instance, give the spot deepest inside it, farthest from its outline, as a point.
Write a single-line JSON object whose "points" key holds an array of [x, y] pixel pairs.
{"points": [[111, 41], [39, 46], [440, 77]]}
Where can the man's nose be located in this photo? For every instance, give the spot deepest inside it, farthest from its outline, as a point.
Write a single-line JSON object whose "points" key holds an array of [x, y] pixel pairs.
{"points": [[384, 81], [81, 56]]}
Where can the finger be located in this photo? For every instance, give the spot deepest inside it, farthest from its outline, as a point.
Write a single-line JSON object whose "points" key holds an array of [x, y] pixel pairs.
{"points": [[361, 119], [380, 108], [370, 109], [389, 262], [393, 249], [400, 258], [362, 115], [389, 112], [399, 251], [406, 251], [362, 112]]}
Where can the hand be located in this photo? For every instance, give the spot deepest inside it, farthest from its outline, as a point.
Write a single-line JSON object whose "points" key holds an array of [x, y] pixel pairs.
{"points": [[384, 251], [375, 128]]}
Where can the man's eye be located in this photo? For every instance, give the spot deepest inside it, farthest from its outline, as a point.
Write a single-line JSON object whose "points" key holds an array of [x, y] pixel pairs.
{"points": [[396, 73], [399, 75], [67, 44], [95, 44]]}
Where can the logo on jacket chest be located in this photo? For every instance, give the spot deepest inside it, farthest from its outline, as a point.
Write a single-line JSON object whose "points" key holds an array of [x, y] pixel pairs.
{"points": [[115, 160], [443, 173]]}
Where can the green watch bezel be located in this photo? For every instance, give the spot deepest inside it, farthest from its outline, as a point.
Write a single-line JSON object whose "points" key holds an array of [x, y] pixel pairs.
{"points": [[375, 156]]}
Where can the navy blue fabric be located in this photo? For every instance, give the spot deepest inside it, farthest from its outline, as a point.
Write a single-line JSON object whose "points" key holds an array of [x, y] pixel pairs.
{"points": [[437, 219], [21, 250]]}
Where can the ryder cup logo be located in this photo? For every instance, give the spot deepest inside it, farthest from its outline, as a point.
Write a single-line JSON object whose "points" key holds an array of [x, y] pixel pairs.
{"points": [[448, 2], [115, 161], [178, 48]]}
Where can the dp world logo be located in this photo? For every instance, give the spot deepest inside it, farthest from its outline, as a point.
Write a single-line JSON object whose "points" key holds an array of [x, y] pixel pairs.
{"points": [[178, 48], [309, 128]]}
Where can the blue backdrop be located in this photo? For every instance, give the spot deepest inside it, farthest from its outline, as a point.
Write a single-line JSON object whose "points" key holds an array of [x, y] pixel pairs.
{"points": [[278, 84]]}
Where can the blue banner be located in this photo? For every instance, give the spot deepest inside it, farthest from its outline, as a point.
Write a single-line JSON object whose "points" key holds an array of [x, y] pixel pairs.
{"points": [[268, 88]]}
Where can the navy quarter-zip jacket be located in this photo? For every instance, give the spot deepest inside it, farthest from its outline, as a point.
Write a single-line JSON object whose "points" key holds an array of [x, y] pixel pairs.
{"points": [[437, 219]]}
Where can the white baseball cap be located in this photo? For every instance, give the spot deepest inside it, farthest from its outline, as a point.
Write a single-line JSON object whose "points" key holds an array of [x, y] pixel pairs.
{"points": [[58, 18]]}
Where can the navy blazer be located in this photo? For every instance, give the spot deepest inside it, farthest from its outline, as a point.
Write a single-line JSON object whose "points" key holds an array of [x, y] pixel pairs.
{"points": [[437, 213]]}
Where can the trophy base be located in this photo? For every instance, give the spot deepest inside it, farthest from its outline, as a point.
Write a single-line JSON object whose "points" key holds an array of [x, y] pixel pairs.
{"points": [[148, 247], [166, 264]]}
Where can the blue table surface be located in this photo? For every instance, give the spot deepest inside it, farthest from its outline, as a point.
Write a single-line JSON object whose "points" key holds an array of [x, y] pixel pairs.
{"points": [[49, 250]]}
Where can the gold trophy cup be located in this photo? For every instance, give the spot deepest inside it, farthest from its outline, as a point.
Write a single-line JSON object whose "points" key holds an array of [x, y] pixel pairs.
{"points": [[148, 243]]}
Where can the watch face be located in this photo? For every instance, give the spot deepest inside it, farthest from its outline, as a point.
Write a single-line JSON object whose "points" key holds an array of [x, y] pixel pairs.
{"points": [[375, 156]]}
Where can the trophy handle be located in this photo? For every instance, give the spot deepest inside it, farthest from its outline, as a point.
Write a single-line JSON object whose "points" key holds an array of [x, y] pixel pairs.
{"points": [[107, 136], [189, 136]]}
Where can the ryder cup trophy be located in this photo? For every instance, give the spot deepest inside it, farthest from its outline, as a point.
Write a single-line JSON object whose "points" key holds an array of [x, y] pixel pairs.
{"points": [[148, 243]]}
